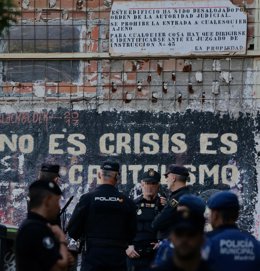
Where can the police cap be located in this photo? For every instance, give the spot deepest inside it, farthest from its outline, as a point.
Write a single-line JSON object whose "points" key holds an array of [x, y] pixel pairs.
{"points": [[50, 168], [223, 200], [194, 203], [177, 169], [151, 176], [187, 221], [50, 186], [110, 166]]}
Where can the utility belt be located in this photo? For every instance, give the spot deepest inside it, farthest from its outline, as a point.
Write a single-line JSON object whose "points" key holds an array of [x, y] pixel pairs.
{"points": [[96, 242]]}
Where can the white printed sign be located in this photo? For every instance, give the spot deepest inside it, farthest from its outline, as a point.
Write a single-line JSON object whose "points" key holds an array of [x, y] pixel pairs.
{"points": [[177, 28]]}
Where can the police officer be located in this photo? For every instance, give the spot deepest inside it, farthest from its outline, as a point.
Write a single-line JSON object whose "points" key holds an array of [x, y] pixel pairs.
{"points": [[106, 219], [50, 172], [141, 252], [227, 247], [176, 181], [40, 246], [187, 236], [176, 176], [187, 202]]}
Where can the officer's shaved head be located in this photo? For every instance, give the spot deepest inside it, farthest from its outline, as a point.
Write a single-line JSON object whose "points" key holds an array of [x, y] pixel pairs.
{"points": [[108, 176], [108, 173]]}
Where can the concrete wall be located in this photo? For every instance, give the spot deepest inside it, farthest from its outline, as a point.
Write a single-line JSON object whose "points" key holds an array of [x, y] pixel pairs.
{"points": [[91, 94]]}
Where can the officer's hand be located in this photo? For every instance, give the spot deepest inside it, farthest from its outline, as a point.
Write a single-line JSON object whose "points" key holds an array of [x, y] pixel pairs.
{"points": [[155, 245], [163, 200], [71, 259], [131, 253]]}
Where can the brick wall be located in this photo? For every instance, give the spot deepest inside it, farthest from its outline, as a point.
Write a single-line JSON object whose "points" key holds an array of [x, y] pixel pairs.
{"points": [[82, 27]]}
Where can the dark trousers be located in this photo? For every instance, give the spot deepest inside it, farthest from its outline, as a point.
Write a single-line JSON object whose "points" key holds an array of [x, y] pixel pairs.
{"points": [[104, 259]]}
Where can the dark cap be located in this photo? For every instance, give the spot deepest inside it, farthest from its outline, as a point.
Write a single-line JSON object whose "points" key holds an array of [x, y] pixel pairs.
{"points": [[50, 186], [187, 221], [194, 203], [110, 166], [223, 200], [151, 176], [177, 169], [51, 168]]}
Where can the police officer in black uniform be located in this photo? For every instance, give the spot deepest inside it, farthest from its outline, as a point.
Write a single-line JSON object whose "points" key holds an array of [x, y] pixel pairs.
{"points": [[40, 246], [187, 236], [176, 181], [50, 172], [141, 252], [187, 202], [106, 220], [176, 176], [227, 247]]}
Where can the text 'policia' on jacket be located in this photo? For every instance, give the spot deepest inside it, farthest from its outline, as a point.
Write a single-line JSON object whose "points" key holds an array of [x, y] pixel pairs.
{"points": [[229, 248], [104, 217]]}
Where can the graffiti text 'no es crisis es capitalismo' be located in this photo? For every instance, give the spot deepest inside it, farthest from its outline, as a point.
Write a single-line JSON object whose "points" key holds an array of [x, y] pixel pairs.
{"points": [[122, 143], [149, 144]]}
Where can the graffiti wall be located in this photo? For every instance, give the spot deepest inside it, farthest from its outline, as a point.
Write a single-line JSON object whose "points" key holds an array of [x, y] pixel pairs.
{"points": [[218, 150]]}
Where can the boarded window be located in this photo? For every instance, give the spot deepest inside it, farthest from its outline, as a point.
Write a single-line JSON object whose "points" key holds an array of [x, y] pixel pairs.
{"points": [[42, 38], [30, 71]]}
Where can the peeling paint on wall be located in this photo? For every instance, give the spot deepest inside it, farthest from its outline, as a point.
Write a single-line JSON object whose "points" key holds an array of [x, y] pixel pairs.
{"points": [[257, 163]]}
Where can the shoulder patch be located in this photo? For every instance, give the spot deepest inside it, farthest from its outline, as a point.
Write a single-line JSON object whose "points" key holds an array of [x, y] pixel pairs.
{"points": [[173, 203], [48, 242]]}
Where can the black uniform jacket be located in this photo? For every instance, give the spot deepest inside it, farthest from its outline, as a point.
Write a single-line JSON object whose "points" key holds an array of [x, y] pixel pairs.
{"points": [[36, 245], [146, 212], [104, 216], [163, 220]]}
